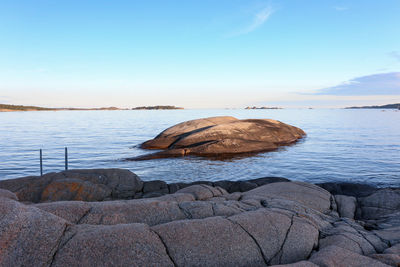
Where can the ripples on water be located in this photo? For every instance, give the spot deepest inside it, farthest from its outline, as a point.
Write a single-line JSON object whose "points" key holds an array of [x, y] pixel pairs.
{"points": [[341, 145]]}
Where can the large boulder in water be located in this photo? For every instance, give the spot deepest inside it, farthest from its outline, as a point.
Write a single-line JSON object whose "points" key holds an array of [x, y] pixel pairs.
{"points": [[170, 135], [221, 137]]}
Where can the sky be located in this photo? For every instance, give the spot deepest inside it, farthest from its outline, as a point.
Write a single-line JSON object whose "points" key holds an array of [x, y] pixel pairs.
{"points": [[199, 53]]}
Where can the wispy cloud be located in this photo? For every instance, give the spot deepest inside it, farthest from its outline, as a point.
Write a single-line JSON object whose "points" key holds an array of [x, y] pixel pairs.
{"points": [[376, 84], [395, 55], [259, 18], [340, 8]]}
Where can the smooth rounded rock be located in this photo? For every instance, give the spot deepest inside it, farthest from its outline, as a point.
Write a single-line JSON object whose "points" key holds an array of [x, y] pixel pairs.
{"points": [[268, 228], [333, 256], [347, 241], [75, 189], [170, 135], [309, 195], [112, 245], [380, 203], [201, 191], [197, 209], [209, 242], [301, 239], [389, 259], [28, 235], [393, 250], [7, 194], [298, 264], [221, 137], [148, 211], [72, 211], [80, 184], [346, 206]]}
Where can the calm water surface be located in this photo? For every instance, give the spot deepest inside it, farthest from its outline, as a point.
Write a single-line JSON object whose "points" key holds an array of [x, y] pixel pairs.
{"points": [[341, 145]]}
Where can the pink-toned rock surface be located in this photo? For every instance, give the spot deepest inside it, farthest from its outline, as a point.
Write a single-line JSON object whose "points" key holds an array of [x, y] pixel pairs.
{"points": [[81, 184], [285, 222]]}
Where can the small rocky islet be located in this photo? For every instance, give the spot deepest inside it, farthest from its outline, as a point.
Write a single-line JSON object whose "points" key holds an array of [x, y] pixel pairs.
{"points": [[110, 217], [221, 137]]}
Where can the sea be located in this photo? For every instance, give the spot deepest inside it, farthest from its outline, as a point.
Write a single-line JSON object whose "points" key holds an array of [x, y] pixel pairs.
{"points": [[342, 145]]}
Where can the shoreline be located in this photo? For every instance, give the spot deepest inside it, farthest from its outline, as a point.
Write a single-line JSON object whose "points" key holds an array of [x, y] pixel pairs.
{"points": [[10, 108], [157, 188], [122, 109], [258, 222]]}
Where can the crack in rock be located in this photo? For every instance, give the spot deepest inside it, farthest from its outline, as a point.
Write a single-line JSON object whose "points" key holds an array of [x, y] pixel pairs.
{"points": [[165, 246], [213, 208], [84, 215], [365, 237], [254, 239], [61, 244], [185, 212], [55, 248], [280, 251]]}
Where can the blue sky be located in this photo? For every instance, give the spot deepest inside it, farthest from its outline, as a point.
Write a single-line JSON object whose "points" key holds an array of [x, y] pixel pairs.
{"points": [[199, 53]]}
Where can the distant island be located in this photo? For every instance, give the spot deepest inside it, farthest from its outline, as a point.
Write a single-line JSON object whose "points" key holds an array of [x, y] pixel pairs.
{"points": [[388, 106], [263, 108], [6, 107], [156, 107]]}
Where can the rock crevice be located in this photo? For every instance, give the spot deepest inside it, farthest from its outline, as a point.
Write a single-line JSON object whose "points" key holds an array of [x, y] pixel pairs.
{"points": [[165, 246], [254, 239]]}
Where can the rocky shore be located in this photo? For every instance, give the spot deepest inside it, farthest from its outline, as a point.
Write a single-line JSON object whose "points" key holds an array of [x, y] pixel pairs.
{"points": [[110, 217]]}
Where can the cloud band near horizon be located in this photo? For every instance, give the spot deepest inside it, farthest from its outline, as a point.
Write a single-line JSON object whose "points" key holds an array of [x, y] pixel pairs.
{"points": [[375, 84]]}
